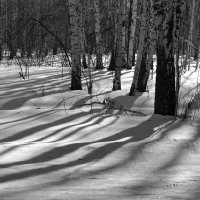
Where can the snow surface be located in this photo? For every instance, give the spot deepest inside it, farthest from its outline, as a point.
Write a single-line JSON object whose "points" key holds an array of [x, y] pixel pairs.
{"points": [[53, 148]]}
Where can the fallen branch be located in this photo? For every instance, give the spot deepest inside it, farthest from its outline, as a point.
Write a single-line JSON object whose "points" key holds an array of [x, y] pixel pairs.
{"points": [[110, 107]]}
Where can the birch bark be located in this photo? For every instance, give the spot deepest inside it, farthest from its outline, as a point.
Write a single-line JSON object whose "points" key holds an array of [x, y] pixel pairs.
{"points": [[75, 28], [133, 8], [178, 15], [165, 94], [142, 42], [97, 16], [123, 7], [118, 62]]}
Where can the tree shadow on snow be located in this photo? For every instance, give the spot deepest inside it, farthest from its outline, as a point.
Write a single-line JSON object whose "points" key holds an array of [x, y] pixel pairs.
{"points": [[109, 145]]}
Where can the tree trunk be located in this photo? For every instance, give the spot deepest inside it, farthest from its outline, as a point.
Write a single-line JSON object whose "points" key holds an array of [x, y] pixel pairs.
{"points": [[99, 63], [118, 62], [165, 101], [141, 50], [178, 15], [84, 62], [114, 45], [133, 8], [124, 60], [152, 39], [112, 60], [144, 73], [189, 54], [196, 52], [74, 10], [1, 52], [196, 31], [55, 48], [20, 24], [144, 67]]}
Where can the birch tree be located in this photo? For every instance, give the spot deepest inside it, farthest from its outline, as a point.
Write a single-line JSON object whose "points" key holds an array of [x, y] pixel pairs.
{"points": [[142, 43], [144, 67], [75, 32], [97, 16], [177, 16], [196, 30], [165, 95], [133, 7], [114, 45], [123, 7], [1, 30], [189, 52], [118, 62], [152, 39]]}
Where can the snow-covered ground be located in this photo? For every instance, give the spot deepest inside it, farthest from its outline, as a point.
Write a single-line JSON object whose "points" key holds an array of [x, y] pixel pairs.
{"points": [[52, 148]]}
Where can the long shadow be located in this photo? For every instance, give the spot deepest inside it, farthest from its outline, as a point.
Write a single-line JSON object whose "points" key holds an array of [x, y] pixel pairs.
{"points": [[32, 130], [78, 129], [18, 102], [33, 117], [50, 84], [60, 151], [36, 81], [135, 134]]}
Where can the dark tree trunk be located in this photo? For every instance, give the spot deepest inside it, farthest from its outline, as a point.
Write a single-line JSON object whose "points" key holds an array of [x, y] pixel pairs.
{"points": [[84, 63], [55, 50], [117, 79], [143, 75], [112, 61], [165, 95], [12, 53], [196, 53], [165, 83], [133, 60], [99, 63], [22, 51], [1, 52], [76, 80]]}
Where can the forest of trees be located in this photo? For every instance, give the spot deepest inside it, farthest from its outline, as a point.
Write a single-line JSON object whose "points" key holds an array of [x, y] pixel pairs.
{"points": [[169, 29]]}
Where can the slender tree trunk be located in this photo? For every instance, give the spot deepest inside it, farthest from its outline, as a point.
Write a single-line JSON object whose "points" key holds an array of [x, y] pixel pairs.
{"points": [[55, 47], [1, 52], [99, 63], [114, 45], [112, 60], [196, 52], [124, 62], [83, 38], [133, 8], [117, 78], [144, 67], [74, 10], [152, 39], [142, 52], [196, 31], [191, 34], [143, 74], [10, 29], [178, 15], [19, 26]]}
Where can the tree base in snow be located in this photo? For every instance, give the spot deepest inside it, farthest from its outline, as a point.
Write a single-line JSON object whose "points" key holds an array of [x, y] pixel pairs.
{"points": [[76, 81]]}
